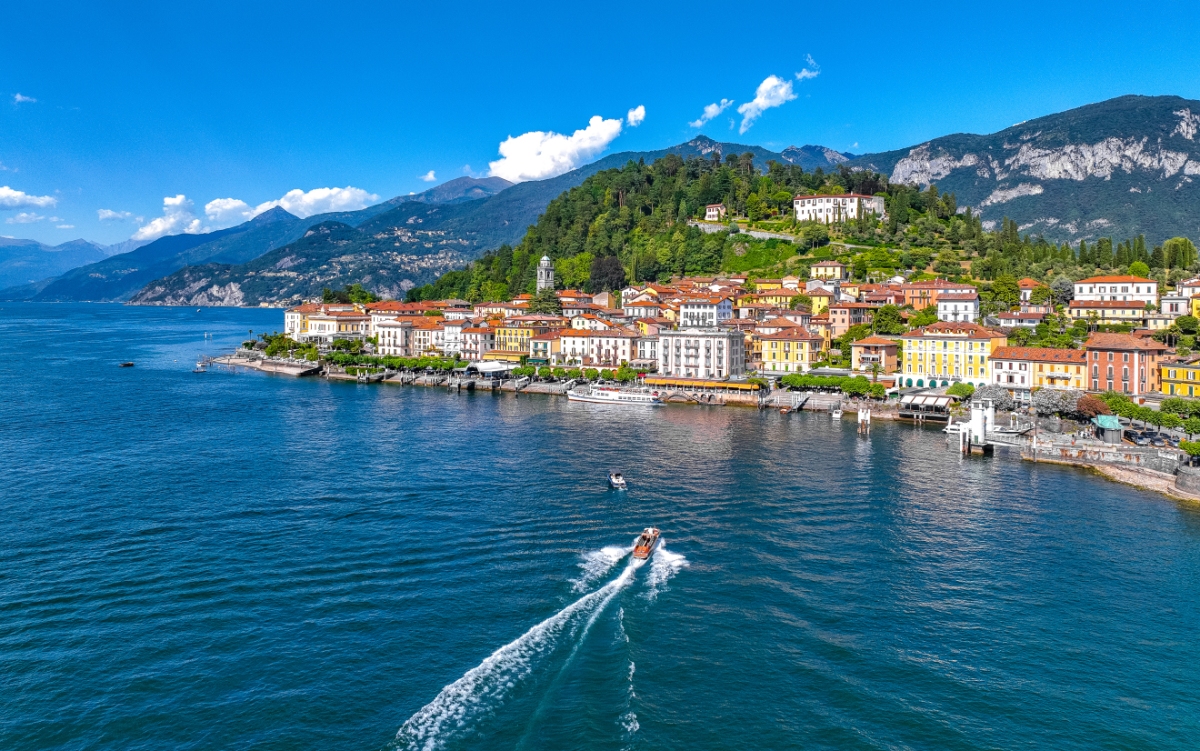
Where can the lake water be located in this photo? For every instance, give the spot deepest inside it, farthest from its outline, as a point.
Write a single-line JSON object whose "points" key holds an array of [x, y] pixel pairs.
{"points": [[244, 561]]}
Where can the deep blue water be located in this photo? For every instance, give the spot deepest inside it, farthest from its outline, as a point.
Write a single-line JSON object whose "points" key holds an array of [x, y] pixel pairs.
{"points": [[238, 561]]}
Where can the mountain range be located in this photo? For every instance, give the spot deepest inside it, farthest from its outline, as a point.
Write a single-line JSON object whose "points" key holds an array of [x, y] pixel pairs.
{"points": [[1117, 168], [1120, 168]]}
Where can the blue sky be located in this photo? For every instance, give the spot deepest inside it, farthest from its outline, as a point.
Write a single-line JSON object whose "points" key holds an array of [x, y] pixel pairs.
{"points": [[235, 105]]}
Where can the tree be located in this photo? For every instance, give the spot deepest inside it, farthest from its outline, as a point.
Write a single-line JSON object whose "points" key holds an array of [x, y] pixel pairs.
{"points": [[546, 302], [545, 371], [607, 274], [925, 317], [1137, 268], [887, 320], [1180, 252], [1089, 406], [962, 390], [1006, 290], [1188, 324], [1041, 295], [1170, 420], [591, 374], [1192, 426], [1063, 288], [799, 301]]}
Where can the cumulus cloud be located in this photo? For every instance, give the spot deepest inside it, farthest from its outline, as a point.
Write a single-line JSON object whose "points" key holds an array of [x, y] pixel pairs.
{"points": [[226, 212], [20, 98], [636, 115], [429, 176], [710, 112], [812, 71], [25, 217], [108, 215], [772, 92], [66, 226], [17, 199], [537, 155], [177, 219]]}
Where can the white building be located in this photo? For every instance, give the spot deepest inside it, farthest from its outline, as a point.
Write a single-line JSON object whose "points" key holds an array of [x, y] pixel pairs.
{"points": [[1117, 289], [702, 353], [600, 349], [958, 306], [647, 351], [830, 209], [545, 274], [395, 338], [714, 212], [1175, 305], [477, 341], [703, 312]]}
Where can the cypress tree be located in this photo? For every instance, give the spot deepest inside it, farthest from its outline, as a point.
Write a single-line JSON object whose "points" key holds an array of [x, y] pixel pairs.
{"points": [[1157, 261], [1104, 253]]}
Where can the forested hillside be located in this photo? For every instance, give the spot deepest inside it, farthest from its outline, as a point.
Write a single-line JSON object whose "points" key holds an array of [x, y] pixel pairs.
{"points": [[632, 225]]}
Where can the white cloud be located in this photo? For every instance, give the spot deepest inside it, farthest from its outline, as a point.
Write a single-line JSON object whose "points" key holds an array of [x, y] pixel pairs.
{"points": [[429, 176], [25, 217], [772, 92], [19, 98], [177, 219], [811, 72], [66, 226], [537, 155], [17, 199], [108, 215], [5, 168], [320, 201], [710, 112], [226, 212], [636, 116]]}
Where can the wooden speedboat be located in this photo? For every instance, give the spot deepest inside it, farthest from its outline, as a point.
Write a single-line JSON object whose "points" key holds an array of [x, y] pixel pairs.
{"points": [[646, 543]]}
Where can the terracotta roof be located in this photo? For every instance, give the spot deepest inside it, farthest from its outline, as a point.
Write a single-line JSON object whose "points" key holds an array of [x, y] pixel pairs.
{"points": [[799, 333], [1100, 340], [862, 305], [1111, 279], [935, 284], [874, 341], [1129, 304], [830, 263], [954, 328], [1040, 354], [548, 336], [959, 297], [477, 331], [1028, 283]]}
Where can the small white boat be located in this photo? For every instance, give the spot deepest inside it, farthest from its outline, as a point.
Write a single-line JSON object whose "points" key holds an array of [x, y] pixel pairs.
{"points": [[200, 367], [953, 427], [605, 395], [616, 481], [645, 544], [837, 414]]}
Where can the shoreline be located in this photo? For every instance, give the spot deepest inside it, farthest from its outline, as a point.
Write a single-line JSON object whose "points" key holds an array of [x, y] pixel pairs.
{"points": [[1139, 477]]}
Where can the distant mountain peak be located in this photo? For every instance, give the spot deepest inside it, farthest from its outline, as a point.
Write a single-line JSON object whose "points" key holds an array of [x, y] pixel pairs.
{"points": [[273, 214], [459, 189], [797, 154]]}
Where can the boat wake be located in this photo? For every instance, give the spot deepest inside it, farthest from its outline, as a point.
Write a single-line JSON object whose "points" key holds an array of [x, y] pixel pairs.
{"points": [[663, 565], [455, 711], [598, 563]]}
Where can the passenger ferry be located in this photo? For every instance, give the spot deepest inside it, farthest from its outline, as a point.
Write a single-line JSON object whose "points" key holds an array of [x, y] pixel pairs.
{"points": [[604, 395]]}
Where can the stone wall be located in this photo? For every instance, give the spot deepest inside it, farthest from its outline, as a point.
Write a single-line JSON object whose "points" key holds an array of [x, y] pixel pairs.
{"points": [[1125, 456]]}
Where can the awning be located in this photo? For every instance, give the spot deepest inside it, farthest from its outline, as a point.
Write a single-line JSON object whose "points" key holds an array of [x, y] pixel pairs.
{"points": [[921, 400], [493, 367], [1107, 422]]}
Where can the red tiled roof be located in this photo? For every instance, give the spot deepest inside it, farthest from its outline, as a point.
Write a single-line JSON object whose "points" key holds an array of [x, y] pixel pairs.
{"points": [[1128, 304], [875, 341], [959, 297], [1040, 354], [970, 330], [1100, 340], [1118, 279]]}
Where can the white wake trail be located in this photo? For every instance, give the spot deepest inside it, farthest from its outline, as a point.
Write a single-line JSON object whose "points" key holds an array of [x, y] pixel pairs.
{"points": [[485, 686], [663, 565], [598, 563]]}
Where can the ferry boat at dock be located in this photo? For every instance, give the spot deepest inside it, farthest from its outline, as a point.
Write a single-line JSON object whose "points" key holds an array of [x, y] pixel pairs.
{"points": [[606, 395], [646, 543]]}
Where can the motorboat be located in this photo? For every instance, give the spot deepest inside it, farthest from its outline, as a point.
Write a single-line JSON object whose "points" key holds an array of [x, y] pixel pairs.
{"points": [[954, 427], [837, 414], [200, 367], [616, 481], [125, 365], [646, 543], [608, 395]]}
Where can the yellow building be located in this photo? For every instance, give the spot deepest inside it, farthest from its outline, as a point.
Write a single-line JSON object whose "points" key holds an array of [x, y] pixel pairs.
{"points": [[1109, 311], [820, 300], [1181, 378], [763, 285], [791, 350], [949, 351], [780, 298], [1027, 368], [828, 270]]}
